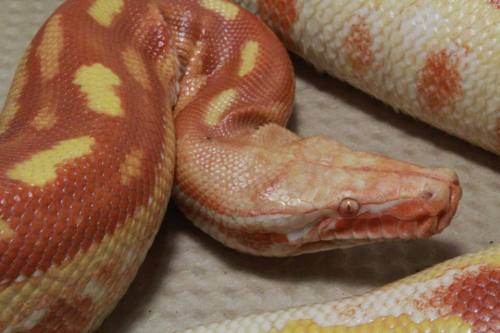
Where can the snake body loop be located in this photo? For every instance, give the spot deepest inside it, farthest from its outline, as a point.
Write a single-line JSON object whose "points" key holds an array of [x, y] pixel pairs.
{"points": [[88, 150], [437, 61]]}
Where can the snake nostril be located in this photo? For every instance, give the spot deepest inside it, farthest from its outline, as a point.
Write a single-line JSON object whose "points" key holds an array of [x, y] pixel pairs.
{"points": [[428, 194]]}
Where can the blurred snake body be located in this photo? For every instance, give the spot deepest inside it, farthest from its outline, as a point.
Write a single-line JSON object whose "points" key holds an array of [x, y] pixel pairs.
{"points": [[112, 93]]}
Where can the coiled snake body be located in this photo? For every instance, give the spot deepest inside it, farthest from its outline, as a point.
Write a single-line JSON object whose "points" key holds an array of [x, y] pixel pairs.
{"points": [[87, 164]]}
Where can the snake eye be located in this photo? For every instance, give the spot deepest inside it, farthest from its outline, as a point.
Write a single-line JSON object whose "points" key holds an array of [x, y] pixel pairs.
{"points": [[348, 207]]}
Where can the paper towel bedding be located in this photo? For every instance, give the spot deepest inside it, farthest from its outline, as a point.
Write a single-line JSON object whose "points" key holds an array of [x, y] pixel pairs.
{"points": [[189, 279]]}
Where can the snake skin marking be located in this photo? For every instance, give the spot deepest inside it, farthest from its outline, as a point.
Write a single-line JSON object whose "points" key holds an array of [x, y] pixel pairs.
{"points": [[104, 11], [18, 84], [358, 47], [41, 167], [28, 323], [387, 324], [98, 83], [131, 167], [50, 48], [439, 81], [469, 301], [135, 65], [249, 55], [282, 13], [45, 119], [102, 261], [226, 9], [218, 105], [6, 231]]}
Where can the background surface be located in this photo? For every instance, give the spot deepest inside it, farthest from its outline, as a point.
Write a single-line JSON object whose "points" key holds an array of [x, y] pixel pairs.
{"points": [[189, 279]]}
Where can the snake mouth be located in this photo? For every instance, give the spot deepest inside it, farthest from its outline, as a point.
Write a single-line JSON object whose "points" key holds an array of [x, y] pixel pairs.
{"points": [[454, 198], [344, 232]]}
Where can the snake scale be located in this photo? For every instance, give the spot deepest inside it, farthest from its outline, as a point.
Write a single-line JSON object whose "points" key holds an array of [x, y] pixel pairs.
{"points": [[111, 93]]}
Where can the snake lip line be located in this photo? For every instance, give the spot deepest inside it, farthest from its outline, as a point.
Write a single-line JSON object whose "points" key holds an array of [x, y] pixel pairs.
{"points": [[317, 229]]}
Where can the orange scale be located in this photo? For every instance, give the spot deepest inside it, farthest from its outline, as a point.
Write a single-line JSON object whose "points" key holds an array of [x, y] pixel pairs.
{"points": [[29, 268], [9, 255], [87, 241], [475, 305], [14, 269], [455, 288], [44, 200], [495, 276], [479, 292], [77, 238], [73, 248], [22, 230], [459, 308], [100, 231], [46, 261], [464, 295], [493, 288], [469, 316], [35, 257], [485, 315], [489, 301], [61, 253]]}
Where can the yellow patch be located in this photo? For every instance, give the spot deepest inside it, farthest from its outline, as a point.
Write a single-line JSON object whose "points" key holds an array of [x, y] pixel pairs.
{"points": [[136, 67], [167, 68], [388, 324], [104, 11], [98, 83], [221, 7], [6, 231], [94, 290], [249, 54], [131, 167], [50, 48], [11, 106], [41, 167], [45, 119], [219, 105]]}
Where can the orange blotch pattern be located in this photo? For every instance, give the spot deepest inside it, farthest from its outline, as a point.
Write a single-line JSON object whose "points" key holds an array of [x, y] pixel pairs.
{"points": [[65, 316], [357, 46], [282, 13], [439, 84], [474, 297]]}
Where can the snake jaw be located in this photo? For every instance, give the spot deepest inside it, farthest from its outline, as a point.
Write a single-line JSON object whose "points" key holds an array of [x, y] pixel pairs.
{"points": [[421, 216], [317, 194], [366, 198]]}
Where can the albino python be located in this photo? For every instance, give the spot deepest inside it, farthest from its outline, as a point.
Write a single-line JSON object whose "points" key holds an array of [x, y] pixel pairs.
{"points": [[87, 165]]}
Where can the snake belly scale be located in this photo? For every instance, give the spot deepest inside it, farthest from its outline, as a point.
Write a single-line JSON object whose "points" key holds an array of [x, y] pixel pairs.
{"points": [[88, 147]]}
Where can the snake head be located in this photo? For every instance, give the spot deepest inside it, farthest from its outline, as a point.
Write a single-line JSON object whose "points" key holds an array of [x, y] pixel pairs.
{"points": [[331, 196]]}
